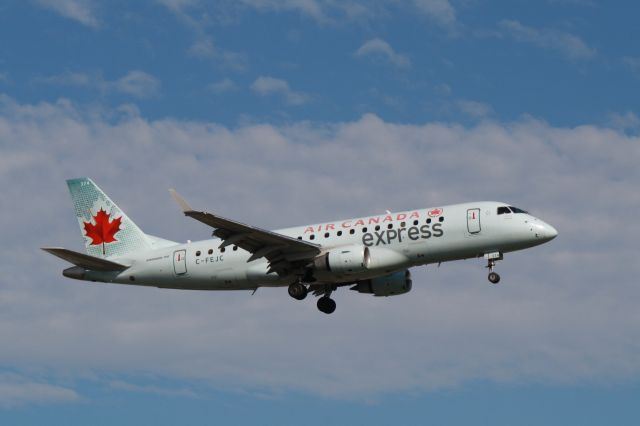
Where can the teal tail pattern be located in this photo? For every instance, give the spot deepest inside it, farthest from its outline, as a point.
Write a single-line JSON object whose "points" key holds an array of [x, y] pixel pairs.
{"points": [[107, 231]]}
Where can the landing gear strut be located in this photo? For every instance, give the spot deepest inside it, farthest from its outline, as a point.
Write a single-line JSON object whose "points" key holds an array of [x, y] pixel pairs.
{"points": [[493, 277], [298, 291]]}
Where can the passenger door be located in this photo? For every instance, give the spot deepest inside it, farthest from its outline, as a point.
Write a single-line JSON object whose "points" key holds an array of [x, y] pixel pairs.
{"points": [[180, 262], [473, 221]]}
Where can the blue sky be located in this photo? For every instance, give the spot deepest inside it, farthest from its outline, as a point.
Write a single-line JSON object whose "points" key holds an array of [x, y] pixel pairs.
{"points": [[299, 111], [557, 60]]}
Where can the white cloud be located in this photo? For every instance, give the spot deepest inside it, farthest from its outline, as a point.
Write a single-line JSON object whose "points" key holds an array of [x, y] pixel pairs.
{"points": [[569, 45], [204, 48], [330, 11], [625, 121], [17, 391], [265, 86], [191, 13], [474, 108], [440, 10], [550, 321], [82, 11], [224, 85], [135, 83], [379, 48]]}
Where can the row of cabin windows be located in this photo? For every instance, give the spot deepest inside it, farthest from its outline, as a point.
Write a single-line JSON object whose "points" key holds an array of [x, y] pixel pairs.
{"points": [[339, 233], [210, 251], [377, 228]]}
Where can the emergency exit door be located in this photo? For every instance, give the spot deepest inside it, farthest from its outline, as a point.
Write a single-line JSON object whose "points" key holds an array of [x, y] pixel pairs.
{"points": [[180, 262], [473, 221]]}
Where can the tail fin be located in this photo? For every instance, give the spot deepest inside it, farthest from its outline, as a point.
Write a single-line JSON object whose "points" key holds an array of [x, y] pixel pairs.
{"points": [[107, 231]]}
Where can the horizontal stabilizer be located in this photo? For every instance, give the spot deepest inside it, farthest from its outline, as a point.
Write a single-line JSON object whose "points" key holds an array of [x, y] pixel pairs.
{"points": [[84, 260]]}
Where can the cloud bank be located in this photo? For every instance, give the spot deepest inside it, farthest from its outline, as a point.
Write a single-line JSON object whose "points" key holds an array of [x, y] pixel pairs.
{"points": [[565, 312]]}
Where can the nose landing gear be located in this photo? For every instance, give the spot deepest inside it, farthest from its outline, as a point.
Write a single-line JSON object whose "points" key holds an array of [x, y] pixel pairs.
{"points": [[493, 277]]}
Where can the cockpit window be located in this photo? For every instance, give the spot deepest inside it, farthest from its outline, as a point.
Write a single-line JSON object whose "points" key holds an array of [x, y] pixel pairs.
{"points": [[503, 210], [517, 210]]}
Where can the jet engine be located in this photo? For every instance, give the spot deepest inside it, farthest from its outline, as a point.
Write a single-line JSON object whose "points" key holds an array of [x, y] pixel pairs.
{"points": [[388, 285], [345, 260]]}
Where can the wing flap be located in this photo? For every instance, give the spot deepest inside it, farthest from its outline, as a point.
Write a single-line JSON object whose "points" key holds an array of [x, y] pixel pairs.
{"points": [[84, 260]]}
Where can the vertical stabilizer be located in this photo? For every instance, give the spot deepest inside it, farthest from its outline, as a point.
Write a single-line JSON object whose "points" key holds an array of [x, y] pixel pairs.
{"points": [[107, 231]]}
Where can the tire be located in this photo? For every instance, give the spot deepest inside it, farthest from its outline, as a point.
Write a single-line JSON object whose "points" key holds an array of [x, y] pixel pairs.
{"points": [[297, 291], [326, 305], [494, 278]]}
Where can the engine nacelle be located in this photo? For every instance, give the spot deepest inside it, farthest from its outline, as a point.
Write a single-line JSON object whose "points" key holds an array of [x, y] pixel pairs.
{"points": [[344, 260], [388, 285]]}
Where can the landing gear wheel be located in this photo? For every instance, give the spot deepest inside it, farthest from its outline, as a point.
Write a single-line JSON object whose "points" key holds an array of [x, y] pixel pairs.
{"points": [[298, 291], [326, 305], [494, 278]]}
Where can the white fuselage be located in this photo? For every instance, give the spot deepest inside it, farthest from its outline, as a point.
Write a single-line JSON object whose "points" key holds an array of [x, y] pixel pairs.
{"points": [[396, 241]]}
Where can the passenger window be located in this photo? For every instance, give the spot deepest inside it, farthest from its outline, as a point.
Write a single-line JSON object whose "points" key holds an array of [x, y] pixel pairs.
{"points": [[312, 237], [403, 224], [235, 248], [377, 227], [222, 250], [364, 229], [198, 253], [415, 223], [352, 231], [299, 238], [429, 220], [326, 235], [339, 233], [210, 251], [441, 219], [389, 226], [503, 210]]}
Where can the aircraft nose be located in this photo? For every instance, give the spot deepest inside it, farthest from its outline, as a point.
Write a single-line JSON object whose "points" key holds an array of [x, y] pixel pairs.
{"points": [[546, 231], [543, 231], [550, 232]]}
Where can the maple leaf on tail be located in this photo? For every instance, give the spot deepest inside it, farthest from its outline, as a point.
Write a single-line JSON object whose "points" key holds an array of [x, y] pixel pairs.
{"points": [[103, 231]]}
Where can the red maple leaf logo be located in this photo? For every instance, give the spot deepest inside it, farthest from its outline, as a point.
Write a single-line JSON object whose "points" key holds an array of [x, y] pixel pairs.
{"points": [[104, 231]]}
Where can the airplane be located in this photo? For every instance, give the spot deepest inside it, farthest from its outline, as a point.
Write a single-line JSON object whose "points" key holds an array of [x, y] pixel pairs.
{"points": [[370, 254]]}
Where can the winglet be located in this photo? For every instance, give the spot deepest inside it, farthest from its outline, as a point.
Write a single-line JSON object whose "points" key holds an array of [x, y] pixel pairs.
{"points": [[181, 201]]}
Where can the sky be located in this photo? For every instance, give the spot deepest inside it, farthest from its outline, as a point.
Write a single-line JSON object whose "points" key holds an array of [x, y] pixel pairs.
{"points": [[283, 113]]}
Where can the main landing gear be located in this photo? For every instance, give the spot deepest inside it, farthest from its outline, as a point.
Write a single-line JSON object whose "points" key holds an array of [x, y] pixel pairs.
{"points": [[298, 291], [325, 304], [493, 277]]}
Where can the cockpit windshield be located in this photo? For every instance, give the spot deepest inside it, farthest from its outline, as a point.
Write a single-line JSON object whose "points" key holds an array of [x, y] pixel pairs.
{"points": [[510, 209], [517, 210]]}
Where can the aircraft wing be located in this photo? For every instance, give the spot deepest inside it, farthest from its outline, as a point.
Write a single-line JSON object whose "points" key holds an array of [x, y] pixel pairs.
{"points": [[283, 253]]}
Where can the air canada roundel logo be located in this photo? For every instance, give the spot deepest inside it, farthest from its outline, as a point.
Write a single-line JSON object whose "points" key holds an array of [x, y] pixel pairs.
{"points": [[104, 229], [435, 212]]}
